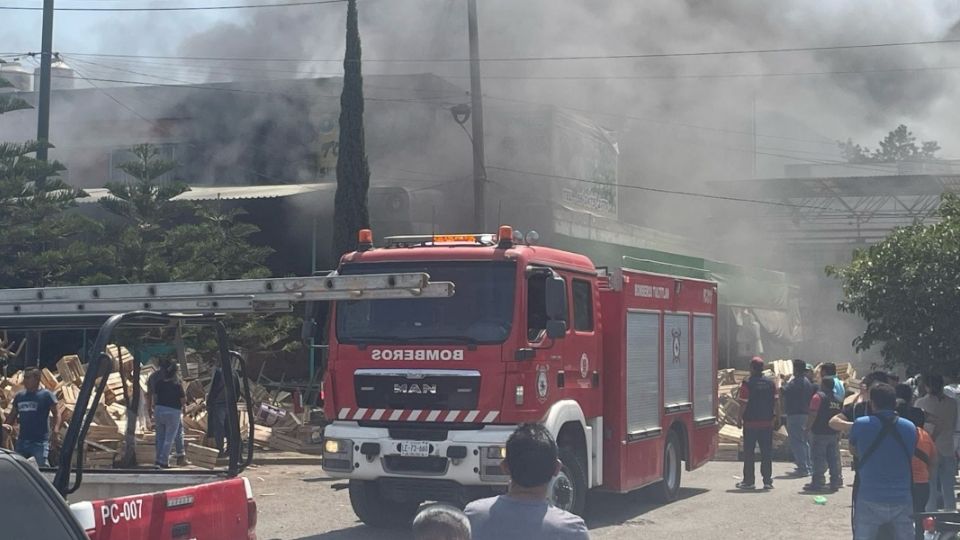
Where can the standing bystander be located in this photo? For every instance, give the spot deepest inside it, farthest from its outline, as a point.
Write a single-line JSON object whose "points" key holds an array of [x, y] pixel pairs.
{"points": [[825, 441], [166, 404], [33, 408], [924, 457], [796, 400], [758, 400], [941, 423], [885, 444]]}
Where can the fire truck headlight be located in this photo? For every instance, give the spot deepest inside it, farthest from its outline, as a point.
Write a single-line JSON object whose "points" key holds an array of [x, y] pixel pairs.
{"points": [[338, 455], [332, 446], [496, 452], [491, 457], [519, 394]]}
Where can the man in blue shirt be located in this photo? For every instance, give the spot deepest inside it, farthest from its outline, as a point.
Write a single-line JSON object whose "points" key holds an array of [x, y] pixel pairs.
{"points": [[32, 408], [884, 444]]}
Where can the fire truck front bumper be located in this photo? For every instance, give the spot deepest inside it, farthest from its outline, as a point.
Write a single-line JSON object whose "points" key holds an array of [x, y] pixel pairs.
{"points": [[464, 457]]}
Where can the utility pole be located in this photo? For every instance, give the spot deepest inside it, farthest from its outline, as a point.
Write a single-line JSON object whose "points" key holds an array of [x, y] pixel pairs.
{"points": [[43, 105], [476, 113]]}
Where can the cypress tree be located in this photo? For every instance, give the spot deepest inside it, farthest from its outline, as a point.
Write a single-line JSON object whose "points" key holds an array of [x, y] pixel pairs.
{"points": [[353, 173]]}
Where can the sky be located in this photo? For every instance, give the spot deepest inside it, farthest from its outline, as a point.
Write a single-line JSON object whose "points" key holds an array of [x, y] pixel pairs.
{"points": [[860, 94]]}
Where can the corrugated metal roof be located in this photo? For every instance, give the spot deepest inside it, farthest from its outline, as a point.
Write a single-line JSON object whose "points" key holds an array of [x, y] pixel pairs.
{"points": [[93, 195], [250, 192]]}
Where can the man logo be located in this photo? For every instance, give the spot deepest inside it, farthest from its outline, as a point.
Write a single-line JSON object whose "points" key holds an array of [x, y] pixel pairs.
{"points": [[415, 388]]}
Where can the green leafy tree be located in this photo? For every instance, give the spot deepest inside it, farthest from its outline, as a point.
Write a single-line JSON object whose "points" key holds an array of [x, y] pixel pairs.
{"points": [[899, 145], [42, 244], [145, 206], [350, 212], [907, 290]]}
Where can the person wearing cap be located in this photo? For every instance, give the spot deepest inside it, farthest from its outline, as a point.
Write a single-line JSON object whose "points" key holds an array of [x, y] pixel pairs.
{"points": [[758, 403], [796, 400]]}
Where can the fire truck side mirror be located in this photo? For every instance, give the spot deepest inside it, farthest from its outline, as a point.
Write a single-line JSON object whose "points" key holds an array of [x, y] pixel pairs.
{"points": [[556, 329], [556, 298]]}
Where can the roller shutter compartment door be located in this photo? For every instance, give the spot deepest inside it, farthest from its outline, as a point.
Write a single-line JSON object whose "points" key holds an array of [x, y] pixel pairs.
{"points": [[643, 371], [703, 373]]}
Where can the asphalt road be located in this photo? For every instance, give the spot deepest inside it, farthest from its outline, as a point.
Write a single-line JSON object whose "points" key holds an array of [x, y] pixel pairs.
{"points": [[299, 502]]}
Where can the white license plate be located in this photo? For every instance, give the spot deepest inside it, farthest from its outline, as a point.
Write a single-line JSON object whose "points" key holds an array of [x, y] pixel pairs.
{"points": [[415, 448]]}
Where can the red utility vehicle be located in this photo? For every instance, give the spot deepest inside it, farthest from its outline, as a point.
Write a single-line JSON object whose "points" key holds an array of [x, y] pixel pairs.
{"points": [[619, 366]]}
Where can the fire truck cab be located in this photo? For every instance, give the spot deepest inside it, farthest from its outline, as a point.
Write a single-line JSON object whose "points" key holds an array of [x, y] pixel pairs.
{"points": [[423, 394]]}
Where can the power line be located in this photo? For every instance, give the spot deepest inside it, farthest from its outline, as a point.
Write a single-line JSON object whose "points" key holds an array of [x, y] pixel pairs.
{"points": [[637, 56], [657, 190], [167, 78], [193, 8]]}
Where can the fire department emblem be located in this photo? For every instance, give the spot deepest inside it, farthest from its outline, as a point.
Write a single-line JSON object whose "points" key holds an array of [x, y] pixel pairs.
{"points": [[542, 385], [584, 366], [676, 344]]}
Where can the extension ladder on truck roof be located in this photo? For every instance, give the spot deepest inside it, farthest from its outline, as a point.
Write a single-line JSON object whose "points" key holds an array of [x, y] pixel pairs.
{"points": [[226, 296], [198, 302]]}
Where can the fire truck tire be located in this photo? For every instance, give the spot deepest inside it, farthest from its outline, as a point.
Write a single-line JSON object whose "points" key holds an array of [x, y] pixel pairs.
{"points": [[376, 511], [668, 489], [572, 483]]}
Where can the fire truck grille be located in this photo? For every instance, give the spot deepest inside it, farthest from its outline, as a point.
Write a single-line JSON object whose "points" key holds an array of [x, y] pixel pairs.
{"points": [[417, 390], [405, 434], [423, 465]]}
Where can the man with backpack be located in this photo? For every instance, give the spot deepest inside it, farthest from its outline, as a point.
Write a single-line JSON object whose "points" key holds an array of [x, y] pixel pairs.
{"points": [[884, 444]]}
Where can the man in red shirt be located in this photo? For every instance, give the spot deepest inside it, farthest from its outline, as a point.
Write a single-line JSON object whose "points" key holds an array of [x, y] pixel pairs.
{"points": [[758, 401]]}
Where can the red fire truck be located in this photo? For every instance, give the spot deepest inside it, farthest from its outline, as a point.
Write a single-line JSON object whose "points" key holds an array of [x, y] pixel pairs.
{"points": [[619, 366]]}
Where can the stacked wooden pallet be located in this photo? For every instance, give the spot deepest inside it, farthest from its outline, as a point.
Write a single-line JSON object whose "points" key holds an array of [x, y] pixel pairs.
{"points": [[283, 428]]}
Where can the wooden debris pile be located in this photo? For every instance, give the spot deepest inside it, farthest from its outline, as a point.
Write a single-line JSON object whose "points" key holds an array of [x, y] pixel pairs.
{"points": [[728, 385]]}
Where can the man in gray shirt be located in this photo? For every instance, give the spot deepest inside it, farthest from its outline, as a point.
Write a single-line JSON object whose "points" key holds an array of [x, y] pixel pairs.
{"points": [[524, 513]]}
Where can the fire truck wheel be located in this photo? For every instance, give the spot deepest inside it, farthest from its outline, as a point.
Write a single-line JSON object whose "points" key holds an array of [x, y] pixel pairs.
{"points": [[376, 511], [568, 491], [668, 489]]}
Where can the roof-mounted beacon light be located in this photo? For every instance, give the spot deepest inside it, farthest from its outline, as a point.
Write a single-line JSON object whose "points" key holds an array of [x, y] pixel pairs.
{"points": [[505, 236], [531, 238], [364, 240]]}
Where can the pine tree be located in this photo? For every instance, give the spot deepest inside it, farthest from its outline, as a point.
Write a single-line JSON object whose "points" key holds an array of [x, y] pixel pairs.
{"points": [[353, 173], [41, 243]]}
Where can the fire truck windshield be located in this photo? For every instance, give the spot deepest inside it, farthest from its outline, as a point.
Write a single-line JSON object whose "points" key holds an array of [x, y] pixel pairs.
{"points": [[480, 312]]}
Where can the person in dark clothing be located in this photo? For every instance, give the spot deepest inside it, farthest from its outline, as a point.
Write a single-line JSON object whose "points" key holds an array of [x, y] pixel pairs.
{"points": [[796, 402], [825, 442], [166, 404], [217, 411], [905, 406], [758, 402]]}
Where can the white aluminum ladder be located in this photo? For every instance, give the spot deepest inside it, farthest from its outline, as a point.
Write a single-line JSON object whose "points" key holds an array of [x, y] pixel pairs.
{"points": [[266, 295]]}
